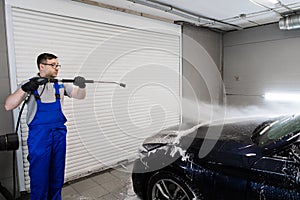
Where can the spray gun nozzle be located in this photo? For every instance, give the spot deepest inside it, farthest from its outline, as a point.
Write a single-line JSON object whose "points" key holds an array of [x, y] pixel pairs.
{"points": [[122, 85]]}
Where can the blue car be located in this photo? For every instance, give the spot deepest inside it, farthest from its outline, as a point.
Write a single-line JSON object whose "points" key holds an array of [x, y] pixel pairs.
{"points": [[249, 159]]}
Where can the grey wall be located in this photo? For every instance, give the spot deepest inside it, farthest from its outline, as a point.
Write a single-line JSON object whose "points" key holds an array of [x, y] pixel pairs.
{"points": [[6, 122], [202, 55], [201, 69], [259, 60]]}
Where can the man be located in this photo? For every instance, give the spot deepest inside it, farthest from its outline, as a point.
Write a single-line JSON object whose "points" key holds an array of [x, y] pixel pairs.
{"points": [[46, 121]]}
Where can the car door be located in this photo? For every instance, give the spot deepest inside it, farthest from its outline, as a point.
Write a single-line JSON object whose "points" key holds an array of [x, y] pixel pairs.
{"points": [[274, 178], [229, 178], [229, 184]]}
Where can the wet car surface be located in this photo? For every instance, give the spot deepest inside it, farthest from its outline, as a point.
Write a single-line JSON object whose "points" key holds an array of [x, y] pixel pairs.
{"points": [[247, 159]]}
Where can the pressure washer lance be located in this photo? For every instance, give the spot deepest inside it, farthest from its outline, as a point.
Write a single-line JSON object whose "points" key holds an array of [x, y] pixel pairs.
{"points": [[42, 81], [92, 81]]}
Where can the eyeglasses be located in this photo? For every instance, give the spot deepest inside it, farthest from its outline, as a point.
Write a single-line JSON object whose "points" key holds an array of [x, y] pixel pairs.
{"points": [[52, 65]]}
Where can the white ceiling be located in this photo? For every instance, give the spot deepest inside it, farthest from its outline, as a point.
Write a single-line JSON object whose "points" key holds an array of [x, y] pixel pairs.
{"points": [[224, 15]]}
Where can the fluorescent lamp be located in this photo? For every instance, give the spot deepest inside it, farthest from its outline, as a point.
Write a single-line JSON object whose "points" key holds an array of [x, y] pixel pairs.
{"points": [[274, 1], [263, 3], [282, 97]]}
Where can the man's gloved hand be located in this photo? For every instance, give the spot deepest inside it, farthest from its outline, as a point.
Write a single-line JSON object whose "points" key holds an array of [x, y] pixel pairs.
{"points": [[30, 86], [79, 81]]}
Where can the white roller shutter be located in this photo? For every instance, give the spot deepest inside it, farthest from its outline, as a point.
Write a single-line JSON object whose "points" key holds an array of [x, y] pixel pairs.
{"points": [[109, 125]]}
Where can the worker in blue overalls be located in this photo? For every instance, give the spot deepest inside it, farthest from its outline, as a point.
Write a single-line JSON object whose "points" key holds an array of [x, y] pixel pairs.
{"points": [[47, 131]]}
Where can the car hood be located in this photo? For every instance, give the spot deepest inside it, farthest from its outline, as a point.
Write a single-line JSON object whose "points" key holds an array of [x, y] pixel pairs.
{"points": [[173, 134], [232, 129], [230, 138]]}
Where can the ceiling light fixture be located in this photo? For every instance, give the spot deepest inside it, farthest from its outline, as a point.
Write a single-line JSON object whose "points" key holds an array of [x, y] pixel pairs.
{"points": [[264, 3], [273, 1], [282, 97]]}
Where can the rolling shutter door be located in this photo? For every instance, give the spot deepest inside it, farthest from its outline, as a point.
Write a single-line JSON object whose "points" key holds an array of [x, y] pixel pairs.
{"points": [[110, 124]]}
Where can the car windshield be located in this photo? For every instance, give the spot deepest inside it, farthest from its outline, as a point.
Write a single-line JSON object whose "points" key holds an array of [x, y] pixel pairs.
{"points": [[277, 129]]}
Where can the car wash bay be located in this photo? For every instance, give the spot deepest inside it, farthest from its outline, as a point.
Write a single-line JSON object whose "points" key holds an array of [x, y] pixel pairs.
{"points": [[190, 62]]}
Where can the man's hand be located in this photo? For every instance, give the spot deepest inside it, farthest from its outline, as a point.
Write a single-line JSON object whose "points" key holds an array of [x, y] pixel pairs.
{"points": [[79, 81], [30, 86]]}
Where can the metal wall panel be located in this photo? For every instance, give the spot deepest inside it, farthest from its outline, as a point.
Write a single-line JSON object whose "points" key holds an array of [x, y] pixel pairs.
{"points": [[260, 60]]}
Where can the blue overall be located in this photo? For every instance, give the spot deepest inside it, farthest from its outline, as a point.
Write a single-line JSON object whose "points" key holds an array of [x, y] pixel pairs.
{"points": [[47, 149]]}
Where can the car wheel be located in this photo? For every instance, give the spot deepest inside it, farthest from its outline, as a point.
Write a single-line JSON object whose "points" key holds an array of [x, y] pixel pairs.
{"points": [[166, 185]]}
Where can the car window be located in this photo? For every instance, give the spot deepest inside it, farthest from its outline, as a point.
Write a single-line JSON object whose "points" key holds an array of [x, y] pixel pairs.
{"points": [[277, 129]]}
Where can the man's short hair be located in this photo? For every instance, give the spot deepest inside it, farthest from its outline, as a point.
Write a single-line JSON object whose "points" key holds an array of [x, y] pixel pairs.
{"points": [[42, 58]]}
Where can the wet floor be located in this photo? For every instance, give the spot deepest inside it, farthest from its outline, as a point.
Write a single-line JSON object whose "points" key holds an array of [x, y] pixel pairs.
{"points": [[111, 184]]}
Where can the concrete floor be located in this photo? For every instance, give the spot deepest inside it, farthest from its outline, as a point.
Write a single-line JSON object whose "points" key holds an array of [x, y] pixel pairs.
{"points": [[111, 184]]}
